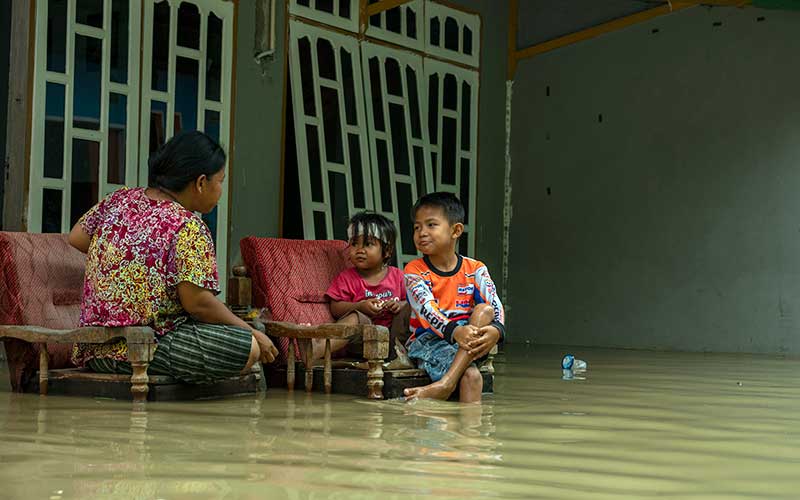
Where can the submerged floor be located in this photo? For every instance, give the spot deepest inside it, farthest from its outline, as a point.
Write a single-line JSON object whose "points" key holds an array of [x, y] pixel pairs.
{"points": [[640, 425]]}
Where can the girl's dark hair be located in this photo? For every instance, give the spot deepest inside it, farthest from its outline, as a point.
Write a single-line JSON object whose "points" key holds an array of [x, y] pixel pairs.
{"points": [[183, 159], [373, 225]]}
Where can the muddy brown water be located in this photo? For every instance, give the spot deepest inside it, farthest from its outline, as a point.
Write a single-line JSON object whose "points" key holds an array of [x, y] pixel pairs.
{"points": [[639, 425]]}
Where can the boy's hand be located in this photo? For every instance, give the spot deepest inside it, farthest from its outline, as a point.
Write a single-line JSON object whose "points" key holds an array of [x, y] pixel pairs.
{"points": [[465, 334], [370, 307], [486, 338], [394, 306]]}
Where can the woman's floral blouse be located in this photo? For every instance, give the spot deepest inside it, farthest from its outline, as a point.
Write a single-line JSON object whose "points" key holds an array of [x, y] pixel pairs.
{"points": [[140, 250]]}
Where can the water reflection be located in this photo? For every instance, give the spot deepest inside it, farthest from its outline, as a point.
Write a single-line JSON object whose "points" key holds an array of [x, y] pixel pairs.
{"points": [[637, 425], [87, 448]]}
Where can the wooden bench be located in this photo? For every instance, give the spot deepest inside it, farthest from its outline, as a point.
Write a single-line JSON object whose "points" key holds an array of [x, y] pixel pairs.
{"points": [[141, 345], [41, 278], [376, 350]]}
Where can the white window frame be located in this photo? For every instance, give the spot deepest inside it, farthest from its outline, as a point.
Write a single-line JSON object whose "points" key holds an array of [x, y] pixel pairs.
{"points": [[403, 40], [297, 31], [415, 61], [441, 69], [225, 11], [472, 21], [37, 181], [138, 110], [433, 60], [310, 12]]}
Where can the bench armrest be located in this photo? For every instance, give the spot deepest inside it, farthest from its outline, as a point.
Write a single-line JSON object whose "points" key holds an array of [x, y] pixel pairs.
{"points": [[326, 331], [87, 334]]}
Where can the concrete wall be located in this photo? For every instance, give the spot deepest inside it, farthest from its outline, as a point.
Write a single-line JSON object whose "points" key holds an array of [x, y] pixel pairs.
{"points": [[256, 172], [656, 187], [491, 133]]}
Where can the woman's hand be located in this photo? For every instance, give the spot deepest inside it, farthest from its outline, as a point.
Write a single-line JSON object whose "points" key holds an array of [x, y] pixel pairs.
{"points": [[268, 350]]}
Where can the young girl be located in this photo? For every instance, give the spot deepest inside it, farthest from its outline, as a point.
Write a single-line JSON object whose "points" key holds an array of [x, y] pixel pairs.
{"points": [[371, 291]]}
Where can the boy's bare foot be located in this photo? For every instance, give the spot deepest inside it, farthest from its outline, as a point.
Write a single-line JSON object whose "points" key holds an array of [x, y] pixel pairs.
{"points": [[436, 390]]}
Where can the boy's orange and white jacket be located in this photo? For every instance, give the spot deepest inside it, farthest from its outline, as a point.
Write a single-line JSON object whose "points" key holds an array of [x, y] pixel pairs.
{"points": [[440, 301]]}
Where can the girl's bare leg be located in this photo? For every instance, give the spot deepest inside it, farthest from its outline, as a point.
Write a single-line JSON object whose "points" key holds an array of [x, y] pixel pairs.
{"points": [[337, 345]]}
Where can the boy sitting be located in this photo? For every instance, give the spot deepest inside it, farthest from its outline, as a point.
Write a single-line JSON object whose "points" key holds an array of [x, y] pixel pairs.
{"points": [[456, 314]]}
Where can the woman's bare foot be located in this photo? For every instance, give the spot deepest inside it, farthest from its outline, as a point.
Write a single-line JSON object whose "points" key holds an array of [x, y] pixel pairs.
{"points": [[436, 390]]}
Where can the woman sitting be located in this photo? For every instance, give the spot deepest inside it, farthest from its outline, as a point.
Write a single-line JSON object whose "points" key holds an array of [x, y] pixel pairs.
{"points": [[151, 261]]}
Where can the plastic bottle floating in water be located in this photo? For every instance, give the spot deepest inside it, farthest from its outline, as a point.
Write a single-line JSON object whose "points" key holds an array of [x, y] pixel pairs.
{"points": [[570, 362], [571, 366]]}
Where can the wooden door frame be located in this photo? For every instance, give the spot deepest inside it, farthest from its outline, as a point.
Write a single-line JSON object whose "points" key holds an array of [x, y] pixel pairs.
{"points": [[18, 132]]}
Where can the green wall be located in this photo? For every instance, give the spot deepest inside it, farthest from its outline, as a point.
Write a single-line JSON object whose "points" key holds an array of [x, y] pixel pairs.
{"points": [[256, 171], [255, 176], [673, 223], [491, 138]]}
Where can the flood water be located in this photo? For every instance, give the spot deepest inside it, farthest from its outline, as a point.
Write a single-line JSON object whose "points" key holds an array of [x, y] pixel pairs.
{"points": [[640, 425]]}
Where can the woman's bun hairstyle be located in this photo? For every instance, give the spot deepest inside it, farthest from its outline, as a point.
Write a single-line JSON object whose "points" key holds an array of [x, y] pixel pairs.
{"points": [[183, 159]]}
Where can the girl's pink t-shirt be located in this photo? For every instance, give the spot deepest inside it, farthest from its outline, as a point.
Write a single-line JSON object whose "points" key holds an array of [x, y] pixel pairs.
{"points": [[349, 286]]}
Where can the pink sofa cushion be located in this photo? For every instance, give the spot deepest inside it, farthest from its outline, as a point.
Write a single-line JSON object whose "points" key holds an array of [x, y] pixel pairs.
{"points": [[41, 278], [291, 277]]}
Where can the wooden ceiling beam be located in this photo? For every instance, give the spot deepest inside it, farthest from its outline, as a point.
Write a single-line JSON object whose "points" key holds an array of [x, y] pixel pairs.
{"points": [[667, 8], [719, 3], [600, 29], [378, 7]]}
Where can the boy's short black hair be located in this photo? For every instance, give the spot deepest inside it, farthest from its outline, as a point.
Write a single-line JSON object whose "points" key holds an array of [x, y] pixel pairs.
{"points": [[373, 225], [448, 202]]}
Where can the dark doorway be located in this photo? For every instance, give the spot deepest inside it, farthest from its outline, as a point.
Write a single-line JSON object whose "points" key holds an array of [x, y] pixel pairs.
{"points": [[292, 209]]}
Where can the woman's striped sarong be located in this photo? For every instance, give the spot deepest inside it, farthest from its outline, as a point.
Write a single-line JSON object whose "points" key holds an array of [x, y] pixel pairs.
{"points": [[194, 353]]}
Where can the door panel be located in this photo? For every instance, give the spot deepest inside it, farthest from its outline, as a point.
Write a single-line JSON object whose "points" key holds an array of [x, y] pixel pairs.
{"points": [[331, 140], [399, 150]]}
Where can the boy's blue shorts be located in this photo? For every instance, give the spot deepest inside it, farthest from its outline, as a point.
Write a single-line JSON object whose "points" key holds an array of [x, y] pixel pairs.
{"points": [[433, 354]]}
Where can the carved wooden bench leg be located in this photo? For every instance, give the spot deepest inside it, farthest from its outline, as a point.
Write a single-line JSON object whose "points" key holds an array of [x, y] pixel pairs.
{"points": [[375, 379], [308, 361], [290, 366], [376, 349], [44, 363], [140, 356], [328, 376]]}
